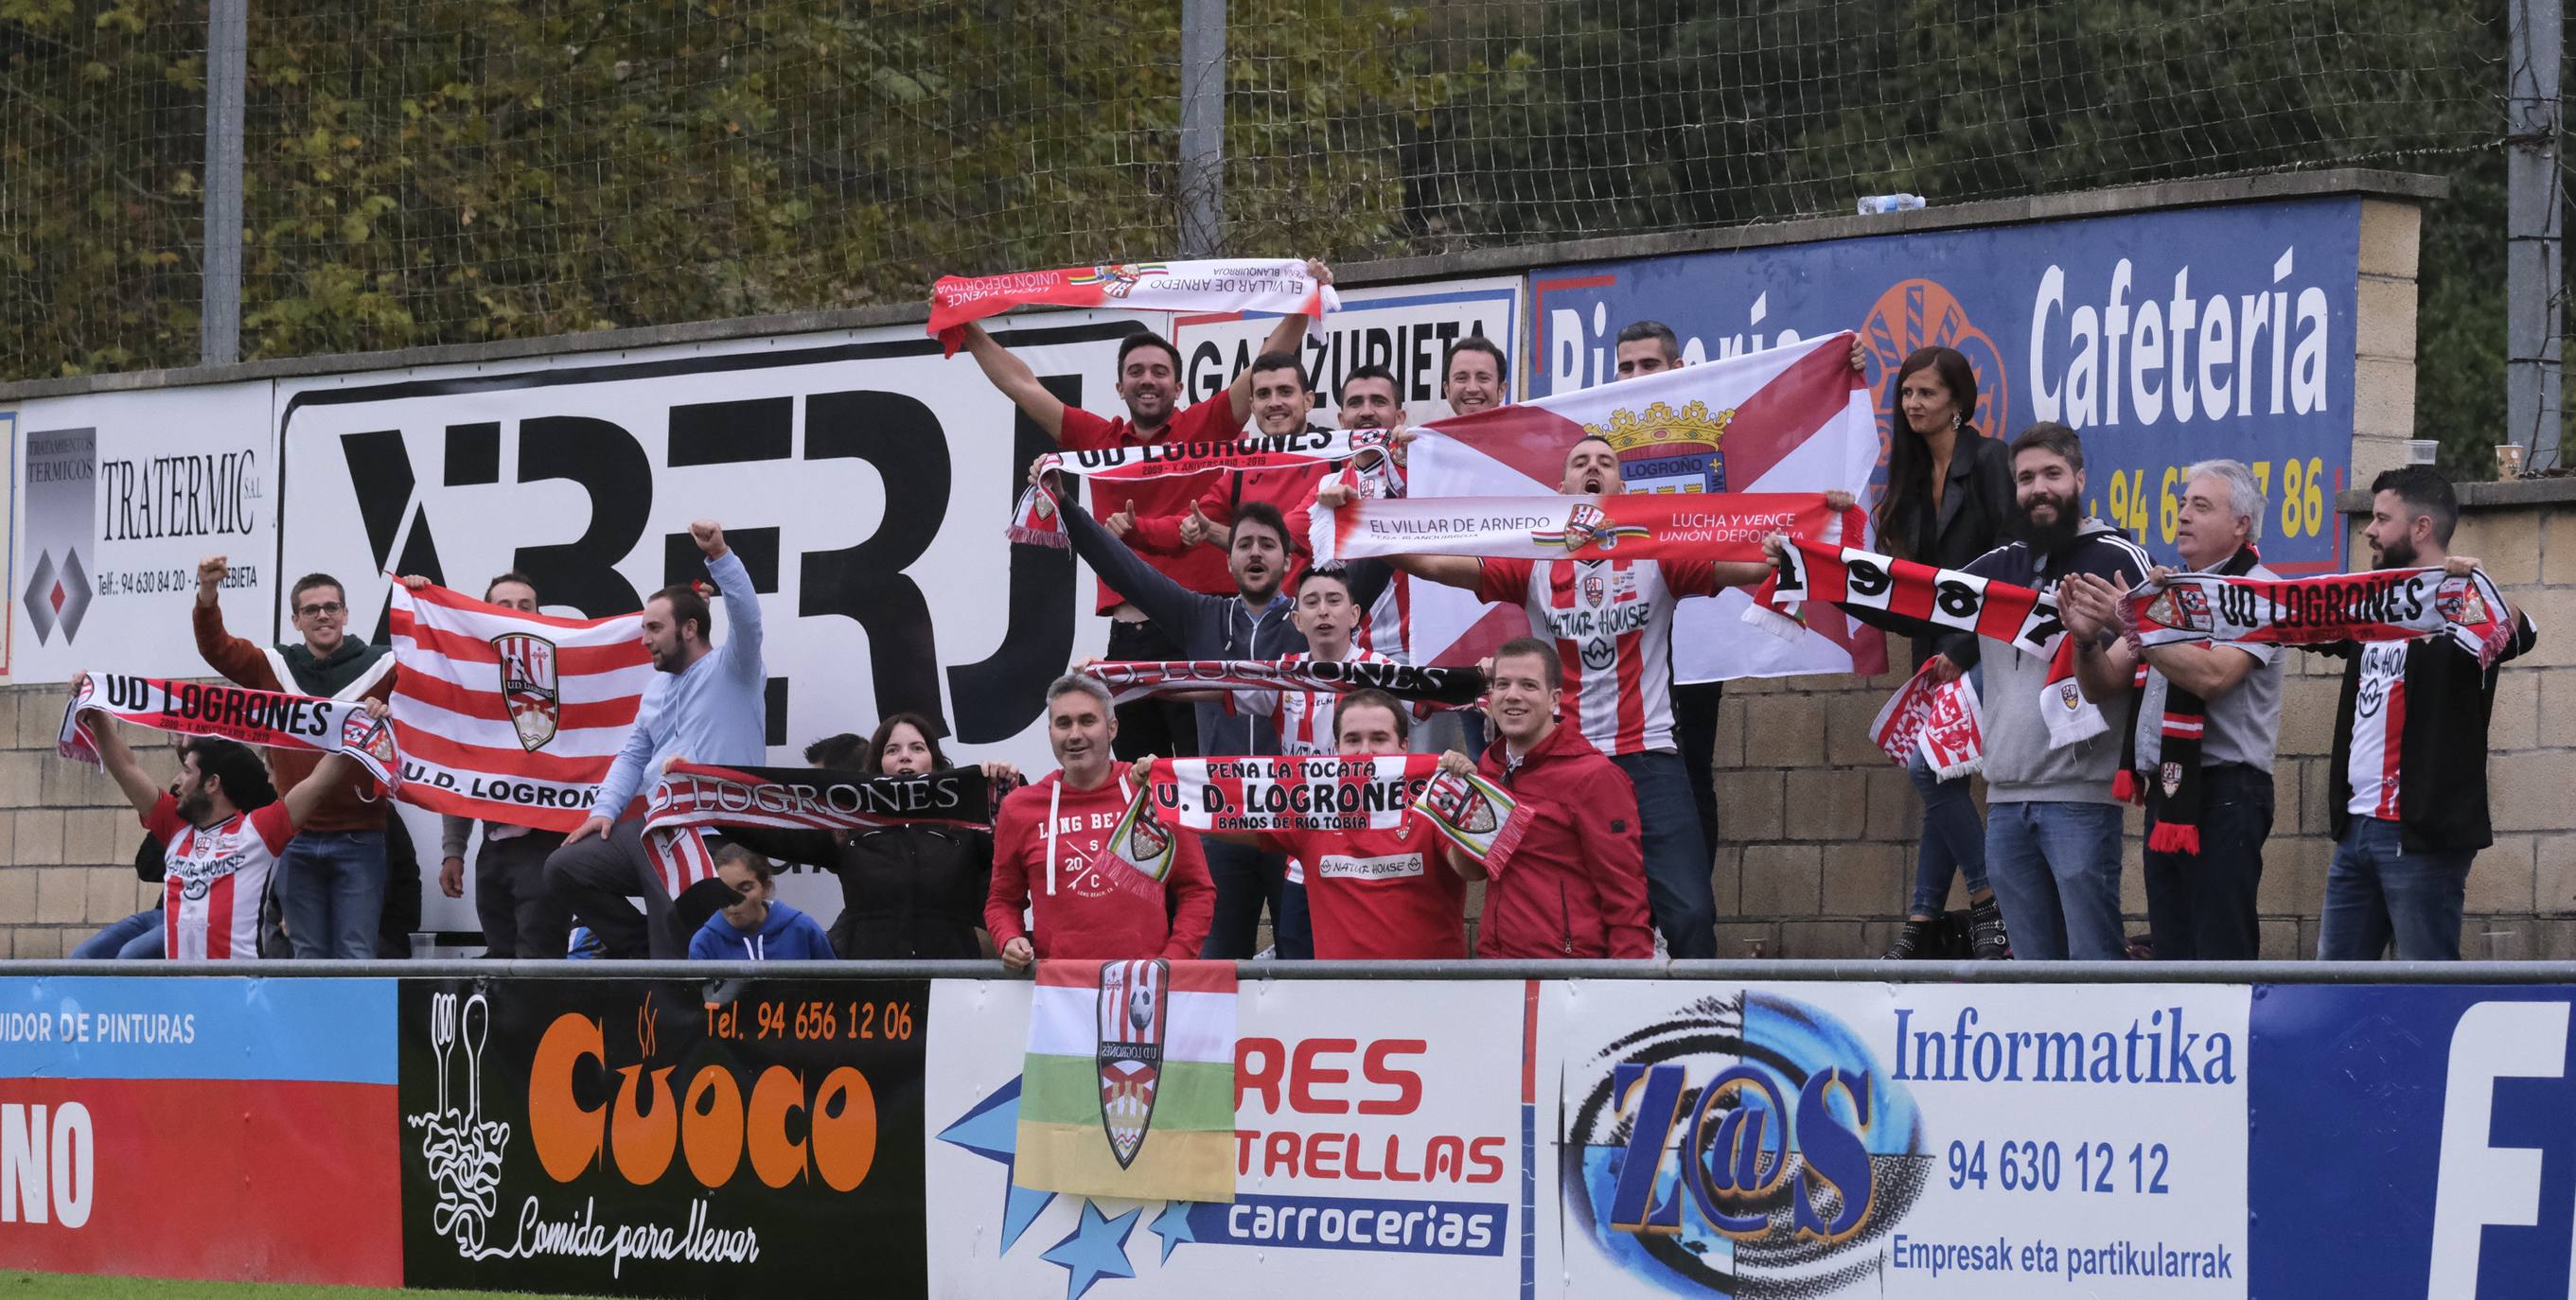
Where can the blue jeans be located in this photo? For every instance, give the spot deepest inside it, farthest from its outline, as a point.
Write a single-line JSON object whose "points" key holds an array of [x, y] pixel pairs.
{"points": [[334, 892], [2201, 906], [2377, 890], [136, 938], [2056, 871], [1953, 839], [1678, 868]]}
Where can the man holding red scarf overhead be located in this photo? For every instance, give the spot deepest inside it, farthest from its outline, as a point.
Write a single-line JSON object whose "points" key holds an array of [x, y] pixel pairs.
{"points": [[1149, 382], [2201, 739]]}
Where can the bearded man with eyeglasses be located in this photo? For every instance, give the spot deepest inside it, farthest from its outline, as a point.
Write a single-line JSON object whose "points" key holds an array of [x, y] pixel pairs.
{"points": [[332, 875]]}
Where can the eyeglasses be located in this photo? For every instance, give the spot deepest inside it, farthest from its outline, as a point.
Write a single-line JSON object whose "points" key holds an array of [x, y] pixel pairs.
{"points": [[313, 611]]}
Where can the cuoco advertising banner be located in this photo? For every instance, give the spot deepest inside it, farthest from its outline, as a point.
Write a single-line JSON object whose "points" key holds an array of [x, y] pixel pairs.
{"points": [[655, 1138]]}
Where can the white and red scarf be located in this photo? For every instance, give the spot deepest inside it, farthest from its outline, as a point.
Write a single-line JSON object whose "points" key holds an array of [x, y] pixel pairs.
{"points": [[691, 798], [1940, 720], [2382, 605], [265, 718], [1449, 688], [2020, 617], [1279, 793], [1332, 793], [1035, 521], [1623, 525], [1277, 286]]}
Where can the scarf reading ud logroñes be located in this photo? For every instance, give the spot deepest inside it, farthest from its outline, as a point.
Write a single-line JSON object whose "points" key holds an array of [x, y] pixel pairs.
{"points": [[691, 798], [1034, 521], [264, 718]]}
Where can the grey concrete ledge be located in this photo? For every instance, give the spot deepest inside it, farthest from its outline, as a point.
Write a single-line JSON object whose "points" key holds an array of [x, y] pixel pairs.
{"points": [[2475, 495], [1865, 971], [1516, 259]]}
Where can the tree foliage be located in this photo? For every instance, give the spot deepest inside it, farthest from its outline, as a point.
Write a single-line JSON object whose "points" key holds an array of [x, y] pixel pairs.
{"points": [[437, 171]]}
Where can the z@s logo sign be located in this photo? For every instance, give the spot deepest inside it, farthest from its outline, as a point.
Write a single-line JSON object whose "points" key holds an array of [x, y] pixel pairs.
{"points": [[1707, 1158]]}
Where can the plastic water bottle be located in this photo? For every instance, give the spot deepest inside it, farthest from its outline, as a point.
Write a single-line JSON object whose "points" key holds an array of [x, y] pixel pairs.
{"points": [[1874, 204]]}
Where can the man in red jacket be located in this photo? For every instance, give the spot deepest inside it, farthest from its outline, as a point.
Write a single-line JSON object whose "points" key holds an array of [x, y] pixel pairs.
{"points": [[1057, 861], [1576, 886]]}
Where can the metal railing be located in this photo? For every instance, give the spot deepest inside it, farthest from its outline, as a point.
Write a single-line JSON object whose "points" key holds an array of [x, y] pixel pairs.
{"points": [[1859, 970]]}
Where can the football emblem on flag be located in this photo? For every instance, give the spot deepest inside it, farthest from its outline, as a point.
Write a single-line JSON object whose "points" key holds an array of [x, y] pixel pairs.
{"points": [[1132, 1021], [529, 687]]}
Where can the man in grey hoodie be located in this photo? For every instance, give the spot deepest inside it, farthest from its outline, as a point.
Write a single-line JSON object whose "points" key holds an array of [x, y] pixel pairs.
{"points": [[1251, 624], [2052, 823]]}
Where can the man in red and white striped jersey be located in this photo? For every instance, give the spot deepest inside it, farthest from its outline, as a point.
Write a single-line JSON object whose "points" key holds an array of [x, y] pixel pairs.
{"points": [[1611, 622], [225, 827]]}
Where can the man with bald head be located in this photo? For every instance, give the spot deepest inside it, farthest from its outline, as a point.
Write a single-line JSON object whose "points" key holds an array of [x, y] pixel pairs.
{"points": [[1611, 621]]}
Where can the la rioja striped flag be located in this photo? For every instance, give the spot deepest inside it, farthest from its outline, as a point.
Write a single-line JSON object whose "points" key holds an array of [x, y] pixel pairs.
{"points": [[511, 717], [1786, 419]]}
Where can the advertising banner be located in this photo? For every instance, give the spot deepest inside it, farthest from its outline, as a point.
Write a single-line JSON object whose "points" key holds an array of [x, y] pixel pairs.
{"points": [[1405, 328], [2412, 1140], [2162, 337], [633, 1137], [1380, 1147], [119, 496], [199, 1128], [859, 475], [1805, 1140]]}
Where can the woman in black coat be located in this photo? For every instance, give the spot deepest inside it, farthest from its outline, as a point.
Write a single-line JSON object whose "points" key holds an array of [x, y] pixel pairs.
{"points": [[912, 891], [1949, 499]]}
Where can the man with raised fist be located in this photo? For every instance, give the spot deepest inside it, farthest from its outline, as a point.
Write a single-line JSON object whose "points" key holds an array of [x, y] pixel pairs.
{"points": [[332, 886], [710, 703]]}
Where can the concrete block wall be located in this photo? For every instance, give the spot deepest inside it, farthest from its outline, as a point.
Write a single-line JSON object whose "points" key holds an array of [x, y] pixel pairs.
{"points": [[67, 836], [1817, 829]]}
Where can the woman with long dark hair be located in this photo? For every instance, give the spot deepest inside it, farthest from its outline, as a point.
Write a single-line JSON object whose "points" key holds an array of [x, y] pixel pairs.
{"points": [[914, 891], [1948, 500]]}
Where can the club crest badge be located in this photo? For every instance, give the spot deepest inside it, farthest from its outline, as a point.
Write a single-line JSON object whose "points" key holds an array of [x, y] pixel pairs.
{"points": [[371, 736], [1118, 279], [2457, 600], [1594, 589], [1133, 1014], [2171, 777], [1587, 524], [1457, 801], [2182, 607], [529, 687]]}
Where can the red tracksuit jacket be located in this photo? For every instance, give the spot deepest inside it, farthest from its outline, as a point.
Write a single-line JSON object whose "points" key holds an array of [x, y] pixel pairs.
{"points": [[1577, 885]]}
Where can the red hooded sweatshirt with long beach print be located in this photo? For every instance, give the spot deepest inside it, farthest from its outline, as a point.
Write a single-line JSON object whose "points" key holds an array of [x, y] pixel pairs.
{"points": [[1078, 912]]}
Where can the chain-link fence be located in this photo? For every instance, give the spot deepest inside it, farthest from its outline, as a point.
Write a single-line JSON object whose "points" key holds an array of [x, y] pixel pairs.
{"points": [[437, 171]]}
